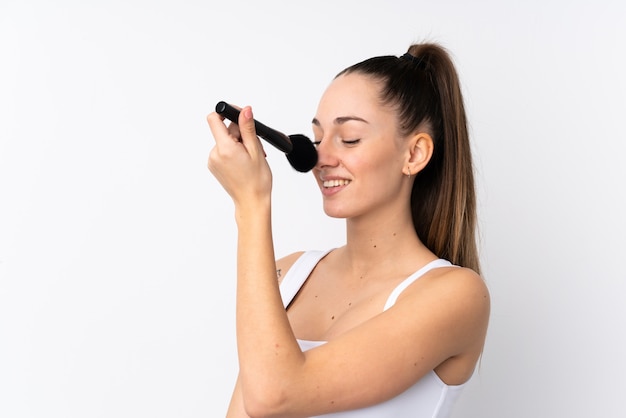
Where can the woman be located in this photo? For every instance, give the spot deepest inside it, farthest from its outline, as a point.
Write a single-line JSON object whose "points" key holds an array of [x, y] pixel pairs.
{"points": [[383, 326]]}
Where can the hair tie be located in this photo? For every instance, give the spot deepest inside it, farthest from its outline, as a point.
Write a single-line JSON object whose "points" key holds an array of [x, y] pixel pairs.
{"points": [[416, 61]]}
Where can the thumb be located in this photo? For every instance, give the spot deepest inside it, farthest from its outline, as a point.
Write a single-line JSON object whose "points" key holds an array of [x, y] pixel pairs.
{"points": [[248, 131]]}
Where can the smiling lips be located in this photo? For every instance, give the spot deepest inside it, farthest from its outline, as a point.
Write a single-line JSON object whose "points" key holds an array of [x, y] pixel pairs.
{"points": [[335, 183]]}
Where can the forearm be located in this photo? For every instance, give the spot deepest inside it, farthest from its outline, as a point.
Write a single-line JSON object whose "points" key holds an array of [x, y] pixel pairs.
{"points": [[236, 407], [268, 352]]}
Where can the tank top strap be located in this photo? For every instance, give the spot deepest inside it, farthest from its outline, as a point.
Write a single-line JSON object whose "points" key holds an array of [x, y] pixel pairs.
{"points": [[412, 278], [298, 273]]}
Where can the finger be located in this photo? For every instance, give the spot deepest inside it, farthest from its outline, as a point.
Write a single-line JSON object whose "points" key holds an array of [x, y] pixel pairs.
{"points": [[233, 128], [248, 132], [225, 136], [234, 131], [217, 126]]}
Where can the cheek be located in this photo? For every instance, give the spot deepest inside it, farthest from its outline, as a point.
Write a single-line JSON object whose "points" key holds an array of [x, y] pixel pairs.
{"points": [[381, 166]]}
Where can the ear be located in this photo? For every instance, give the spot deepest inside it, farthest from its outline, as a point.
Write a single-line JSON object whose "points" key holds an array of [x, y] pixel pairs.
{"points": [[420, 151]]}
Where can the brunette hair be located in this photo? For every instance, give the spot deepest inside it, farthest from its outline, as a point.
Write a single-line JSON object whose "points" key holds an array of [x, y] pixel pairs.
{"points": [[423, 86]]}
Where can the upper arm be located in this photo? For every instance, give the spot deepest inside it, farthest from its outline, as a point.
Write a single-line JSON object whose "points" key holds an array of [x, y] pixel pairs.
{"points": [[431, 322]]}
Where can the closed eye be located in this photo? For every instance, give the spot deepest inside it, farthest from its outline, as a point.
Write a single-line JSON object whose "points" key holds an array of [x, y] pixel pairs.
{"points": [[345, 141]]}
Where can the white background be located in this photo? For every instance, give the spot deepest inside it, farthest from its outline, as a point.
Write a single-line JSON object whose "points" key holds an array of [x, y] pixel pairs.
{"points": [[117, 246]]}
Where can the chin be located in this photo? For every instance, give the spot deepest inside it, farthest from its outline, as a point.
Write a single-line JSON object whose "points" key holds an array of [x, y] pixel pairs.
{"points": [[338, 212]]}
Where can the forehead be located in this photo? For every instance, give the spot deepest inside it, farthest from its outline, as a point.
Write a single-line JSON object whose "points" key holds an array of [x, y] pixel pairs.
{"points": [[352, 95]]}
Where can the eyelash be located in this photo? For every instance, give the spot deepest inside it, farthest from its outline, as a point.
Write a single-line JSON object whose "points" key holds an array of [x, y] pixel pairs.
{"points": [[346, 142]]}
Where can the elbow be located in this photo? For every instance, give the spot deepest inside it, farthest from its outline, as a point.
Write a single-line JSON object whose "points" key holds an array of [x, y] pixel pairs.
{"points": [[267, 401]]}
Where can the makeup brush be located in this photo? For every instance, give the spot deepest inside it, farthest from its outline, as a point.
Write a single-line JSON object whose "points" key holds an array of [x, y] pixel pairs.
{"points": [[299, 149]]}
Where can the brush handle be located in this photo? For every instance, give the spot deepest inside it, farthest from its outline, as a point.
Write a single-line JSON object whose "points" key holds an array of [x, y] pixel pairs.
{"points": [[277, 139]]}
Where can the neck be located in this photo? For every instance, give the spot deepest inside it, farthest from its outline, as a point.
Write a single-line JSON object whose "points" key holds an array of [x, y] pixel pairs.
{"points": [[381, 241]]}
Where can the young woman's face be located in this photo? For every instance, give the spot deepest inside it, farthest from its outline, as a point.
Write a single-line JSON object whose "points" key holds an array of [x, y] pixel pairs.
{"points": [[361, 154]]}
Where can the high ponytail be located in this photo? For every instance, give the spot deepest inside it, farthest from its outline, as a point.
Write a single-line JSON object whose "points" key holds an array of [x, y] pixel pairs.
{"points": [[423, 86]]}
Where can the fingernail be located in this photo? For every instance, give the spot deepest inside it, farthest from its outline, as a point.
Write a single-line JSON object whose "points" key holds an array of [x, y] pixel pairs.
{"points": [[247, 113]]}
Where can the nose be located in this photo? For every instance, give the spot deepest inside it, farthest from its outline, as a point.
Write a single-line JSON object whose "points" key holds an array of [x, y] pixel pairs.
{"points": [[326, 154]]}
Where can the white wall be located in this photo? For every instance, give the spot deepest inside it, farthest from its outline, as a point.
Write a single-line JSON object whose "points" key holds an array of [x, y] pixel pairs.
{"points": [[117, 246]]}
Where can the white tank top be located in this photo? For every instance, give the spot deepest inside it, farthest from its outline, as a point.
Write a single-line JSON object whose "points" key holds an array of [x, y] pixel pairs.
{"points": [[429, 397]]}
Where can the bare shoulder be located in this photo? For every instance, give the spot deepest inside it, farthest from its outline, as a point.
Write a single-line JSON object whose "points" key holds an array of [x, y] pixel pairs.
{"points": [[283, 264], [460, 286], [454, 282], [463, 280], [456, 298]]}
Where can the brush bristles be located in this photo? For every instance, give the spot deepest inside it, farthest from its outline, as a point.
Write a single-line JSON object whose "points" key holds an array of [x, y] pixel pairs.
{"points": [[303, 156]]}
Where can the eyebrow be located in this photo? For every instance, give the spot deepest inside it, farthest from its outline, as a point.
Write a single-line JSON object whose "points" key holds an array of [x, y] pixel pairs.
{"points": [[341, 120]]}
